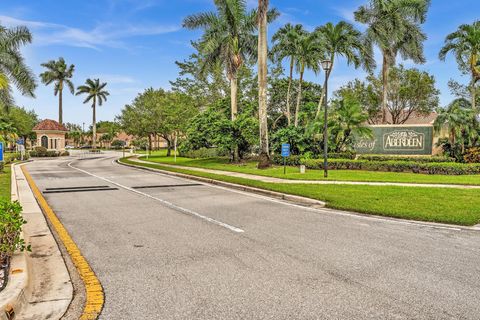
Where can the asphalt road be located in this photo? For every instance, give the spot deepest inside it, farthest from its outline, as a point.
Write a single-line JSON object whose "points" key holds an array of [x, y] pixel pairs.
{"points": [[204, 252]]}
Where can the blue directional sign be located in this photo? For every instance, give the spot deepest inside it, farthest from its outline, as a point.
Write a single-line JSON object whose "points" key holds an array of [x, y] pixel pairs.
{"points": [[1, 151], [21, 141], [285, 150]]}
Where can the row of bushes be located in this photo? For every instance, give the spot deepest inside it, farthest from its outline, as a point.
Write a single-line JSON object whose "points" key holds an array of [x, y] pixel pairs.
{"points": [[373, 157], [43, 152], [445, 168]]}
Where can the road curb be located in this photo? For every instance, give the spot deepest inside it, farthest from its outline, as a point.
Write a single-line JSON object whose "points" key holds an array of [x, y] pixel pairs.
{"points": [[94, 291], [13, 296], [278, 195]]}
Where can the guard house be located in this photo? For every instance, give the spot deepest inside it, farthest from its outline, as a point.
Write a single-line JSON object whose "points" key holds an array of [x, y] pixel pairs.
{"points": [[50, 134]]}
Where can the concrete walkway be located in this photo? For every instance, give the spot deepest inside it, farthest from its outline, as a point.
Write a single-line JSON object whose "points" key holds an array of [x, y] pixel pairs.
{"points": [[289, 181]]}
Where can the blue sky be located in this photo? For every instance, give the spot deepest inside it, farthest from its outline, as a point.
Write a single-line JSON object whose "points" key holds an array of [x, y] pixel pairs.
{"points": [[133, 44]]}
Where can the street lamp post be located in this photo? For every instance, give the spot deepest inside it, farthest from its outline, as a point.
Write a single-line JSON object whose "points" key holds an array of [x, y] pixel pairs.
{"points": [[326, 65]]}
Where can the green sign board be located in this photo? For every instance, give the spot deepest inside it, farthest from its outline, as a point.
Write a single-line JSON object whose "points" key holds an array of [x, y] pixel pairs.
{"points": [[397, 140]]}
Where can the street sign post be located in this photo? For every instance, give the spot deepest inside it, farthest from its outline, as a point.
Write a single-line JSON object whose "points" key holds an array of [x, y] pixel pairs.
{"points": [[285, 154]]}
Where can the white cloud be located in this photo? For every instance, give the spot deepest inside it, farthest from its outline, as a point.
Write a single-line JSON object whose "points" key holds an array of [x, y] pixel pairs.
{"points": [[104, 35]]}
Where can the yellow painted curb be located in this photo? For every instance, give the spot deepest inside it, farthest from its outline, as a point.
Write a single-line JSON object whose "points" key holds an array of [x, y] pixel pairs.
{"points": [[94, 291]]}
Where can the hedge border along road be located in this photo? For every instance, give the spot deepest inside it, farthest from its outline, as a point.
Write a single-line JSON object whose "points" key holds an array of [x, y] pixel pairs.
{"points": [[5, 182], [94, 292], [441, 205]]}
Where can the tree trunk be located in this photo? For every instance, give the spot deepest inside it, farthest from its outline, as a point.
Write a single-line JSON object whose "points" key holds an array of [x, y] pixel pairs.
{"points": [[60, 105], [234, 107], [94, 125], [299, 96], [290, 78], [474, 96], [384, 88], [320, 102], [169, 148], [262, 86]]}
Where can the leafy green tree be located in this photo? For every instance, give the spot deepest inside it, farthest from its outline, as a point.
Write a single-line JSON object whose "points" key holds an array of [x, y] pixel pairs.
{"points": [[95, 92], [395, 27], [310, 51], [22, 121], [343, 40], [366, 94], [13, 69], [58, 73], [285, 43], [411, 92], [465, 45]]}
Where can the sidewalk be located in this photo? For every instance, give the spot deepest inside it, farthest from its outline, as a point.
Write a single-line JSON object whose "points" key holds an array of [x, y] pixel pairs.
{"points": [[289, 181], [49, 290]]}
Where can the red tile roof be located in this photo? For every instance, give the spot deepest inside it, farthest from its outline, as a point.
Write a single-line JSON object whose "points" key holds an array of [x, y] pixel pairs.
{"points": [[49, 125]]}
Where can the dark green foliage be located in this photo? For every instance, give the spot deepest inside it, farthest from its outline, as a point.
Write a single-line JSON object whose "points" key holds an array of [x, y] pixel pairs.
{"points": [[202, 153], [472, 155], [374, 157], [11, 224], [213, 129], [445, 168]]}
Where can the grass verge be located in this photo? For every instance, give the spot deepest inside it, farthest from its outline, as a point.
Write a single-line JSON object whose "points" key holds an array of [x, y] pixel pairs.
{"points": [[334, 175], [5, 183], [453, 206]]}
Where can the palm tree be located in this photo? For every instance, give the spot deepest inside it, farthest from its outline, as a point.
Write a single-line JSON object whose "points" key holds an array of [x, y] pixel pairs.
{"points": [[285, 42], [60, 74], [12, 66], [229, 40], [465, 44], [344, 40], [308, 56], [95, 92], [394, 26], [457, 118], [262, 83]]}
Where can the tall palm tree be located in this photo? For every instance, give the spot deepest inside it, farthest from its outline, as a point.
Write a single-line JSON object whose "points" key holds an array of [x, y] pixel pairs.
{"points": [[95, 91], [12, 66], [395, 27], [229, 40], [310, 52], [60, 74], [465, 44], [285, 42], [344, 40], [262, 83]]}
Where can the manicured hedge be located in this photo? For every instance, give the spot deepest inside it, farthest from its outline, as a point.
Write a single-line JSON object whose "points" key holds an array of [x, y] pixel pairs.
{"points": [[298, 160], [446, 168], [373, 157]]}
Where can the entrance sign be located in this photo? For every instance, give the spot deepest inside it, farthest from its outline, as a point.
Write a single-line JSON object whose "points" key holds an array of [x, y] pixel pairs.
{"points": [[285, 154], [1, 151], [397, 140]]}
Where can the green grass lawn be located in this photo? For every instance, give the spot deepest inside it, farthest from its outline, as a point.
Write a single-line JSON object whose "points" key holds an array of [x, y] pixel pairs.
{"points": [[454, 206], [5, 183], [294, 172]]}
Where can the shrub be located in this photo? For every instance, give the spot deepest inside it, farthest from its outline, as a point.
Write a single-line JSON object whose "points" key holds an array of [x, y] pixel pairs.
{"points": [[2, 166], [117, 144], [472, 155], [11, 223], [52, 153], [445, 168], [373, 157], [39, 152], [64, 153], [201, 153]]}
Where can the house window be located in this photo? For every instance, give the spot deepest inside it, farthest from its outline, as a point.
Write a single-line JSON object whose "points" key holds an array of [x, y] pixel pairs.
{"points": [[44, 141], [55, 144]]}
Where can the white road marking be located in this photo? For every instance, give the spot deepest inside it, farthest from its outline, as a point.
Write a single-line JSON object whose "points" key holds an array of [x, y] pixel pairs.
{"points": [[431, 225], [164, 202]]}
